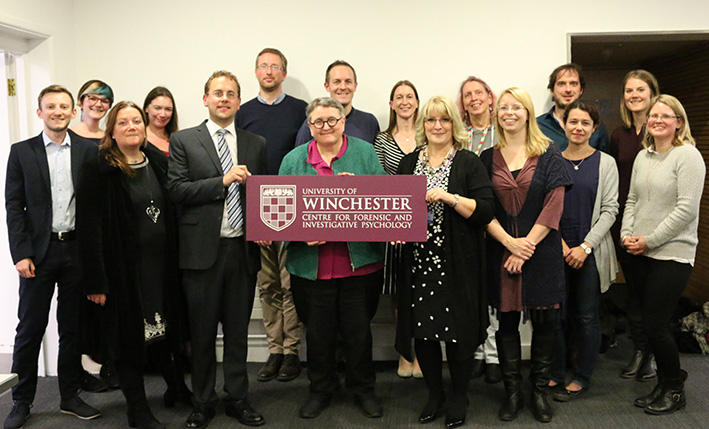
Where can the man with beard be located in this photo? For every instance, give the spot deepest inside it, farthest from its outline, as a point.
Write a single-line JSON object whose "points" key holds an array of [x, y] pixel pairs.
{"points": [[566, 84], [341, 83], [42, 173]]}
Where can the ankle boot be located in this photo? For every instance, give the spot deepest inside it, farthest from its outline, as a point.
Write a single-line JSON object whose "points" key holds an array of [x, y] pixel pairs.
{"points": [[647, 371], [646, 400], [671, 397], [632, 368], [510, 355], [174, 377], [131, 381], [542, 356]]}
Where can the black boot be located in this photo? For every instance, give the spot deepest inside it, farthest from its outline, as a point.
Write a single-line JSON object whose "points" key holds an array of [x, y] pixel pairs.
{"points": [[131, 381], [671, 397], [542, 356], [632, 369], [431, 362], [647, 371], [174, 377], [510, 355], [461, 371]]}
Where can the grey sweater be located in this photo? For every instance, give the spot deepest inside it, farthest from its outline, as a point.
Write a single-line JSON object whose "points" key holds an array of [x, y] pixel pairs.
{"points": [[663, 202]]}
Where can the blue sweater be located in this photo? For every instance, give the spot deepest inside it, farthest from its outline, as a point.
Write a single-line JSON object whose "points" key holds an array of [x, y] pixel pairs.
{"points": [[277, 123], [358, 124]]}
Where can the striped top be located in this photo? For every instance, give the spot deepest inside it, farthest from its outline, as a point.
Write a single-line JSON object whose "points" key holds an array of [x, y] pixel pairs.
{"points": [[388, 151]]}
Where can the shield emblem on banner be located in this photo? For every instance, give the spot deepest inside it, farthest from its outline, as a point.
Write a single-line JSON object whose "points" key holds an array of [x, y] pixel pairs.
{"points": [[278, 206]]}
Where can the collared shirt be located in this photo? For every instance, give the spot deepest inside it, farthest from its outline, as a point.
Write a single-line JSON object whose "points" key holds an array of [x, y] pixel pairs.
{"points": [[553, 130], [226, 230], [278, 99], [334, 257], [61, 182]]}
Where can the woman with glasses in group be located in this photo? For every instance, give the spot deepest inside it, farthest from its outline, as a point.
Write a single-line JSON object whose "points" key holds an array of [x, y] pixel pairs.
{"points": [[526, 267], [659, 231], [442, 296], [95, 99]]}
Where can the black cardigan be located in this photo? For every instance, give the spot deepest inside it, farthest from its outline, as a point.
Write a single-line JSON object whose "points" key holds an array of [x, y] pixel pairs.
{"points": [[109, 261], [465, 257], [543, 282]]}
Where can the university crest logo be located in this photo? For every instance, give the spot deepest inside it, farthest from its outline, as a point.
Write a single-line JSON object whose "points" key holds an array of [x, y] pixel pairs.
{"points": [[278, 206]]}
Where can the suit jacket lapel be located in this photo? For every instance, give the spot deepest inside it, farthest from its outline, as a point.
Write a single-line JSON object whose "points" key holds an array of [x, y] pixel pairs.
{"points": [[206, 141], [76, 161], [241, 147], [41, 154]]}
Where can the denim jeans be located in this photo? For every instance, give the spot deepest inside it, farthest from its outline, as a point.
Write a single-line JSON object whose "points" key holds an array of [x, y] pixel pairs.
{"points": [[579, 331]]}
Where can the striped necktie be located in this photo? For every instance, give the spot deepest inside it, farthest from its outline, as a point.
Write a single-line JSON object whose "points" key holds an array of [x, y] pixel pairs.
{"points": [[233, 200]]}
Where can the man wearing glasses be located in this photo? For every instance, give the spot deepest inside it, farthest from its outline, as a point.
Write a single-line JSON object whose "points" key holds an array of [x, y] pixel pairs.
{"points": [[341, 83], [207, 169], [566, 84], [277, 117]]}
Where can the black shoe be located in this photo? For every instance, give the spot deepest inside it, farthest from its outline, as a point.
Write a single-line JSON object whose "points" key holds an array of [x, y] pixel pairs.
{"points": [[200, 417], [290, 368], [143, 419], [632, 368], [566, 395], [108, 374], [313, 407], [18, 415], [89, 383], [492, 373], [369, 405], [478, 369], [648, 371], [270, 369], [454, 422], [648, 399], [243, 412], [76, 407], [432, 409], [669, 401]]}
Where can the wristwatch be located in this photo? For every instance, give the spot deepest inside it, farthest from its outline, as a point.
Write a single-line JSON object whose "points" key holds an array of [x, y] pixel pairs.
{"points": [[586, 248]]}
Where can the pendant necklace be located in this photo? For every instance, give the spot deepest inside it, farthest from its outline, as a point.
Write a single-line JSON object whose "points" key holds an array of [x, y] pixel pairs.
{"points": [[152, 210]]}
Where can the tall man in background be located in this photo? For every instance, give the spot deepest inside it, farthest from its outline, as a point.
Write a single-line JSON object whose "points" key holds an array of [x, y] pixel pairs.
{"points": [[566, 84], [277, 117], [341, 83]]}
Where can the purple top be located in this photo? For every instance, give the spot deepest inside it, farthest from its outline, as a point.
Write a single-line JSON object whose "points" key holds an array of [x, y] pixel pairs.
{"points": [[333, 257]]}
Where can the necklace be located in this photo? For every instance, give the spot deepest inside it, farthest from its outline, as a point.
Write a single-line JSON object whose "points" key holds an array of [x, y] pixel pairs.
{"points": [[152, 210], [576, 166], [482, 139], [429, 170]]}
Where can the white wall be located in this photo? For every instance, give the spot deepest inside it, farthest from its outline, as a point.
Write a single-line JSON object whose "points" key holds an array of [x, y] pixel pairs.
{"points": [[135, 45]]}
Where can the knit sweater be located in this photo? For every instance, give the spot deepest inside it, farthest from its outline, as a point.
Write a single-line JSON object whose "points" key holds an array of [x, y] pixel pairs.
{"points": [[663, 202]]}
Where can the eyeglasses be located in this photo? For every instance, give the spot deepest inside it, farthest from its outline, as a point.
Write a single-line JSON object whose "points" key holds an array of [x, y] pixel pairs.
{"points": [[219, 94], [331, 122], [443, 121], [655, 117], [505, 108], [94, 99], [273, 67]]}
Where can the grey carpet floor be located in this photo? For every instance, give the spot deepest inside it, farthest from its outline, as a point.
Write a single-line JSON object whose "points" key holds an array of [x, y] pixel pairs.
{"points": [[607, 405]]}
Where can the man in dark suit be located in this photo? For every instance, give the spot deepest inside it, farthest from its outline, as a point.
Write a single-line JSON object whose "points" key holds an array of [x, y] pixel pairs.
{"points": [[42, 173], [207, 170]]}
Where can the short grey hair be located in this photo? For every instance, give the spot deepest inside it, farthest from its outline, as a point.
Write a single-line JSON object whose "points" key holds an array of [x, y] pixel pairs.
{"points": [[324, 102]]}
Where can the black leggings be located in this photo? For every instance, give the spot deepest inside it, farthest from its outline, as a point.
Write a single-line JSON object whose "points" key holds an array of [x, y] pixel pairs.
{"points": [[659, 285]]}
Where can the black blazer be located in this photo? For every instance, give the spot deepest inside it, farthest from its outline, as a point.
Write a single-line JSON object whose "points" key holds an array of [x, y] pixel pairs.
{"points": [[195, 183], [28, 194]]}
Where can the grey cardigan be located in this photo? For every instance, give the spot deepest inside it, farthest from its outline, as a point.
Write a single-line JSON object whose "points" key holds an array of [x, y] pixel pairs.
{"points": [[605, 210]]}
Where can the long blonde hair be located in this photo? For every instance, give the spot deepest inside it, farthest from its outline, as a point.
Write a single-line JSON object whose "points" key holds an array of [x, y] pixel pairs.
{"points": [[537, 143], [625, 114], [684, 134]]}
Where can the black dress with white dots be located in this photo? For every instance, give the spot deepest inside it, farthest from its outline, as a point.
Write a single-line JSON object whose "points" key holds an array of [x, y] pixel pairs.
{"points": [[431, 294]]}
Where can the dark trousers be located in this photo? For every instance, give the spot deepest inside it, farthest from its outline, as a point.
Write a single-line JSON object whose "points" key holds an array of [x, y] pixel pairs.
{"points": [[60, 267], [658, 286], [342, 306], [222, 293], [580, 330]]}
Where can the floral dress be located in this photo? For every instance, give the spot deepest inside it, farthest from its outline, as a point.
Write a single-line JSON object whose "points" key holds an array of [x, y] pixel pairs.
{"points": [[431, 295]]}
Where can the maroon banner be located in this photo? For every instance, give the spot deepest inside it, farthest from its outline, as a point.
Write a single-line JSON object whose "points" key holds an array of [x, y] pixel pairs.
{"points": [[336, 208]]}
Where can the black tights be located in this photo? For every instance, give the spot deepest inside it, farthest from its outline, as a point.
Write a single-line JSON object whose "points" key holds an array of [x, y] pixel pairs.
{"points": [[430, 359]]}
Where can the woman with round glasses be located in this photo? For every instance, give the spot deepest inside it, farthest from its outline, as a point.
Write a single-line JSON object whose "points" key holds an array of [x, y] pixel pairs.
{"points": [[590, 208], [391, 145], [335, 285], [442, 297], [659, 231], [639, 88], [95, 99], [161, 112], [526, 267]]}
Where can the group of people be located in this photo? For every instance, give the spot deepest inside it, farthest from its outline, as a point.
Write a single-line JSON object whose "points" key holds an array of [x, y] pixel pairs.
{"points": [[142, 228]]}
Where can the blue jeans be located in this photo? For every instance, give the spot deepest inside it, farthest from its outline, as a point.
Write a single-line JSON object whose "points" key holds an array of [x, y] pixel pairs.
{"points": [[580, 329]]}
